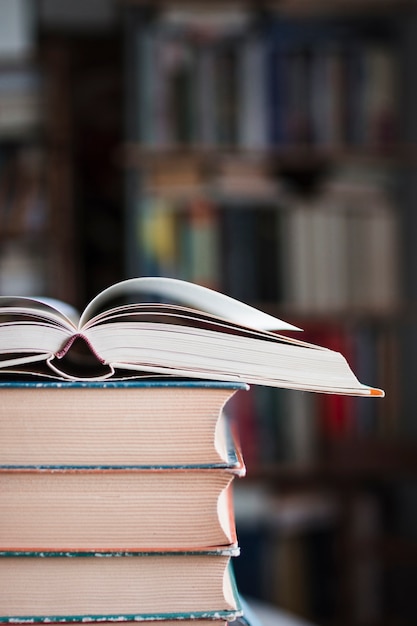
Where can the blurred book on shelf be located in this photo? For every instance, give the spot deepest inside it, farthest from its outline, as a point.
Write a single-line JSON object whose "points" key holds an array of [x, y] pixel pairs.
{"points": [[331, 251], [321, 82]]}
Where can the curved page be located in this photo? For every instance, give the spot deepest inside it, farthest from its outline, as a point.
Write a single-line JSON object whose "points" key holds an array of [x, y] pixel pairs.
{"points": [[191, 295]]}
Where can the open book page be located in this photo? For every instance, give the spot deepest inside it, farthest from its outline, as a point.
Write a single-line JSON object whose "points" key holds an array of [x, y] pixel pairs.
{"points": [[183, 317], [42, 309], [64, 308], [191, 295]]}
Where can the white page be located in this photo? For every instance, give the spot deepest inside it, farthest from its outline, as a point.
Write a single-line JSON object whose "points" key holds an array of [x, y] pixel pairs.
{"points": [[192, 295]]}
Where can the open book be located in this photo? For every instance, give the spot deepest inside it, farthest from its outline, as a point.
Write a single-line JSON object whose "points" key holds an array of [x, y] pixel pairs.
{"points": [[190, 331]]}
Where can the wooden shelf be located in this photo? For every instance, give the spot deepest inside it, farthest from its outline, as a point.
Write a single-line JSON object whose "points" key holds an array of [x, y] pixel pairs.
{"points": [[136, 155], [344, 7], [294, 7], [349, 463]]}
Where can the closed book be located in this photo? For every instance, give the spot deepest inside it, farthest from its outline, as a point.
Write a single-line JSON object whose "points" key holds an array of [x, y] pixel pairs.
{"points": [[108, 424], [200, 232], [135, 508], [252, 90], [239, 267], [60, 587]]}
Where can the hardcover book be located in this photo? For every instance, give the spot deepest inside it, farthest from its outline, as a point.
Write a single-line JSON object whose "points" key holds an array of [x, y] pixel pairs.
{"points": [[69, 587], [107, 424]]}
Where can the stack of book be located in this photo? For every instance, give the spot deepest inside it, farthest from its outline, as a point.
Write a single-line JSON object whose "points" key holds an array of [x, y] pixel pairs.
{"points": [[116, 477], [116, 502]]}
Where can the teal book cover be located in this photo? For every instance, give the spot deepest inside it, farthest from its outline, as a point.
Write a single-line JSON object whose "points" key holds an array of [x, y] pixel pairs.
{"points": [[54, 588]]}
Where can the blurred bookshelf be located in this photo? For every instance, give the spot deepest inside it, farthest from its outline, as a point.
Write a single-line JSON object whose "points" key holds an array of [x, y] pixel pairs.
{"points": [[35, 231], [270, 153]]}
